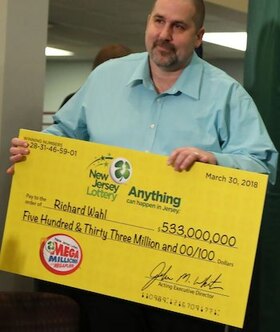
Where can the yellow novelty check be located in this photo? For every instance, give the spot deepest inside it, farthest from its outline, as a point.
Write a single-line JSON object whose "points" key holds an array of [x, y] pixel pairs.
{"points": [[121, 222]]}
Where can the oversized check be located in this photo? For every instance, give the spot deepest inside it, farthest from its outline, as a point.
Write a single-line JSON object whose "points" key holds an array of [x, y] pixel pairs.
{"points": [[122, 223]]}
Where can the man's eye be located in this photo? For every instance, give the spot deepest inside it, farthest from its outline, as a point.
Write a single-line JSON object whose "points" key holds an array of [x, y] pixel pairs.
{"points": [[179, 27], [158, 20]]}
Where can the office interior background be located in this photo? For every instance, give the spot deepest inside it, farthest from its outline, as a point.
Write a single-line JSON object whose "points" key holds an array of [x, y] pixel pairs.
{"points": [[33, 85]]}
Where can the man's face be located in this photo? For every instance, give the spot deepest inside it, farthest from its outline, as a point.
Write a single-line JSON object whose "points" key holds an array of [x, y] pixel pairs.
{"points": [[171, 34]]}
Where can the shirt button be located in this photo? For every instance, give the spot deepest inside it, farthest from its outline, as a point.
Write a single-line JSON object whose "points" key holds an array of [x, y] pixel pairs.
{"points": [[152, 126]]}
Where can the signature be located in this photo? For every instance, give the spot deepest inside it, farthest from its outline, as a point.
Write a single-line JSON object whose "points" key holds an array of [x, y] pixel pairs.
{"points": [[163, 272], [160, 273]]}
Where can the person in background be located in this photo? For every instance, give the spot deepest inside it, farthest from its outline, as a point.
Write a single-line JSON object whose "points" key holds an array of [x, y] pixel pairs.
{"points": [[171, 102], [111, 51]]}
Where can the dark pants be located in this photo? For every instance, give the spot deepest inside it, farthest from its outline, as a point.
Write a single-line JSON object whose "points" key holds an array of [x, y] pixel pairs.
{"points": [[101, 313]]}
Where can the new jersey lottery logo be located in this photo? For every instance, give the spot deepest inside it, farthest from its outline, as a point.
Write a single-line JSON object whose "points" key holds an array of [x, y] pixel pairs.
{"points": [[120, 170]]}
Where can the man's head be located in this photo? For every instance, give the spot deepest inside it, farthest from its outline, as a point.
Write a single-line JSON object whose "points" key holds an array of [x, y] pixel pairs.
{"points": [[174, 29], [111, 51]]}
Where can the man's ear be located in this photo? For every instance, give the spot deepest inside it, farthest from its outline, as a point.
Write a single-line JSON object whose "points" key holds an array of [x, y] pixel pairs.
{"points": [[199, 37]]}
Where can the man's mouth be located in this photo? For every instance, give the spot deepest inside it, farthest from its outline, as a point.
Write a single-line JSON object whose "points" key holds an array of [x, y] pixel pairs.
{"points": [[164, 47]]}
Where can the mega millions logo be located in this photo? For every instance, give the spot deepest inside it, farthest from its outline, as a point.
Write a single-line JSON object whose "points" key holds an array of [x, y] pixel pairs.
{"points": [[60, 254], [106, 174]]}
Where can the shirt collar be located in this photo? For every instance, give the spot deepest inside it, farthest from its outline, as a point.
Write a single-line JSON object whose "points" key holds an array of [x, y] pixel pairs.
{"points": [[141, 75], [188, 83]]}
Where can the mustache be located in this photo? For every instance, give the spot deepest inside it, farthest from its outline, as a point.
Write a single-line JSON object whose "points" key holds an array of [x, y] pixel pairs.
{"points": [[165, 44]]}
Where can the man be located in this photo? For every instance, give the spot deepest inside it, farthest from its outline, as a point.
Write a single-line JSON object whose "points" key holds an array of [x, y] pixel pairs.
{"points": [[170, 102]]}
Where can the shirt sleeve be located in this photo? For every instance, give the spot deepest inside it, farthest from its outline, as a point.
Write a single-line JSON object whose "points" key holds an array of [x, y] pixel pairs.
{"points": [[245, 141], [70, 120]]}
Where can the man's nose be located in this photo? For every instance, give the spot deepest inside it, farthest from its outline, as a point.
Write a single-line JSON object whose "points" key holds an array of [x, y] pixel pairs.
{"points": [[166, 32]]}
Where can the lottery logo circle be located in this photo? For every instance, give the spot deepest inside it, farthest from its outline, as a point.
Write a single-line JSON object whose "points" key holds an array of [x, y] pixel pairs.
{"points": [[61, 254]]}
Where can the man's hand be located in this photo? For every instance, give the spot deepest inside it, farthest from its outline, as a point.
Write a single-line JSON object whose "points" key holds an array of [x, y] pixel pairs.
{"points": [[183, 158], [18, 152]]}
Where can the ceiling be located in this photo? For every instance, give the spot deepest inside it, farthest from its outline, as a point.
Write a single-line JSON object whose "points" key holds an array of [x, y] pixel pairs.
{"points": [[84, 26]]}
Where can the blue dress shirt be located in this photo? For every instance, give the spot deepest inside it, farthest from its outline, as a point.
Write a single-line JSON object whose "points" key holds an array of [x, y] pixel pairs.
{"points": [[205, 108]]}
